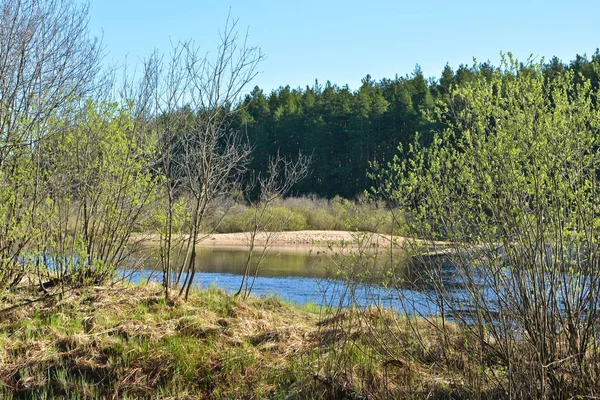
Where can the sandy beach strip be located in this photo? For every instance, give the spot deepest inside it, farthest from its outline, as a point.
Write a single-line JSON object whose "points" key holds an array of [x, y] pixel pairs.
{"points": [[294, 238]]}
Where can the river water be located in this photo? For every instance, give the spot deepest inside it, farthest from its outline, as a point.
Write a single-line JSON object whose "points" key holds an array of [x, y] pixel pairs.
{"points": [[300, 274]]}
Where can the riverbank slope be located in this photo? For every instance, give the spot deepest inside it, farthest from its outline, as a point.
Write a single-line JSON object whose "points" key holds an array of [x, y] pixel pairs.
{"points": [[126, 341]]}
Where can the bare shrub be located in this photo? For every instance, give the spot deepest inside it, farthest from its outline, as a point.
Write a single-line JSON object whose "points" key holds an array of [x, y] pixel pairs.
{"points": [[192, 98], [267, 218]]}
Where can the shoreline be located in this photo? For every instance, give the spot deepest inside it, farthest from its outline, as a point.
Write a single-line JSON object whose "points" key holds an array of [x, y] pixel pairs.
{"points": [[301, 239]]}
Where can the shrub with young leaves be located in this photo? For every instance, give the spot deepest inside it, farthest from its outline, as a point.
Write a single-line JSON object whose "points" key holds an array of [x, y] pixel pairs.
{"points": [[98, 186], [512, 184]]}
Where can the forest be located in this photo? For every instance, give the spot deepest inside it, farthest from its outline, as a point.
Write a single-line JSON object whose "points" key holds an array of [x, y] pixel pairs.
{"points": [[345, 130]]}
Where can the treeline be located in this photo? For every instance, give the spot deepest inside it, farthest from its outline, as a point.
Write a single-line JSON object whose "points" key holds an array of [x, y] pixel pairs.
{"points": [[345, 130]]}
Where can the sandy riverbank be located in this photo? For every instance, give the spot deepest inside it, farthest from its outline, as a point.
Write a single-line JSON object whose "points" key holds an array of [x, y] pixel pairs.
{"points": [[294, 238]]}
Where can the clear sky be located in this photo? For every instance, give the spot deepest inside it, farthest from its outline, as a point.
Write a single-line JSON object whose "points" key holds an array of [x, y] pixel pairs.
{"points": [[342, 41]]}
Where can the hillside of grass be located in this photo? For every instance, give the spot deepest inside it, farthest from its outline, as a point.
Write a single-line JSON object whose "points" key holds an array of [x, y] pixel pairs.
{"points": [[125, 341]]}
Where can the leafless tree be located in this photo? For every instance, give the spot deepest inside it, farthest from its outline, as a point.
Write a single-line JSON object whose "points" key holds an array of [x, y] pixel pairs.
{"points": [[47, 57], [282, 175], [193, 97]]}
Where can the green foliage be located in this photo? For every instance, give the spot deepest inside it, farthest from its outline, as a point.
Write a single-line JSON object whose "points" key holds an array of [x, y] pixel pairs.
{"points": [[512, 183], [309, 213], [94, 186], [239, 219], [277, 217], [344, 130], [520, 150], [321, 219]]}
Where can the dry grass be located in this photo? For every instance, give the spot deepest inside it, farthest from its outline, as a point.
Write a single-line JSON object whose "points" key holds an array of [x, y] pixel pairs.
{"points": [[127, 342]]}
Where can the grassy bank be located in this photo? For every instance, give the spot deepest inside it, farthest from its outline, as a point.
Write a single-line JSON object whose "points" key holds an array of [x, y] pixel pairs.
{"points": [[127, 342]]}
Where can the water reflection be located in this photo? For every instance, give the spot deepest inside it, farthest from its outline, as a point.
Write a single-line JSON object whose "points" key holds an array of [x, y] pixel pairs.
{"points": [[433, 286], [279, 262], [297, 273], [303, 275]]}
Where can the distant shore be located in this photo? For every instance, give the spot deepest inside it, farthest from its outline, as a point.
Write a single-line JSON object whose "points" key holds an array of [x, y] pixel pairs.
{"points": [[308, 238], [293, 238]]}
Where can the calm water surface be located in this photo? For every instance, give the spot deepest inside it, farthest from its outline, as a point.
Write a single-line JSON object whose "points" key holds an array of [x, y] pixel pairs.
{"points": [[296, 273], [300, 275]]}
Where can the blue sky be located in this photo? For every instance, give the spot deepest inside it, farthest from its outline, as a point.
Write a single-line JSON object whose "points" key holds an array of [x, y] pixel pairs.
{"points": [[342, 41]]}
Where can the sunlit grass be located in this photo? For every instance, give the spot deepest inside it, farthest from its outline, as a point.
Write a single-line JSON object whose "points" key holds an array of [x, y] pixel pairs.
{"points": [[127, 341]]}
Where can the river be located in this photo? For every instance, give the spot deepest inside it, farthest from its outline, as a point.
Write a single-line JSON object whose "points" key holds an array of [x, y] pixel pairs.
{"points": [[300, 274]]}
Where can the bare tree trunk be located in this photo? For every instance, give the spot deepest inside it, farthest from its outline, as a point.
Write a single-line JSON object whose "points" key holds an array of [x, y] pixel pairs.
{"points": [[195, 98], [282, 176]]}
